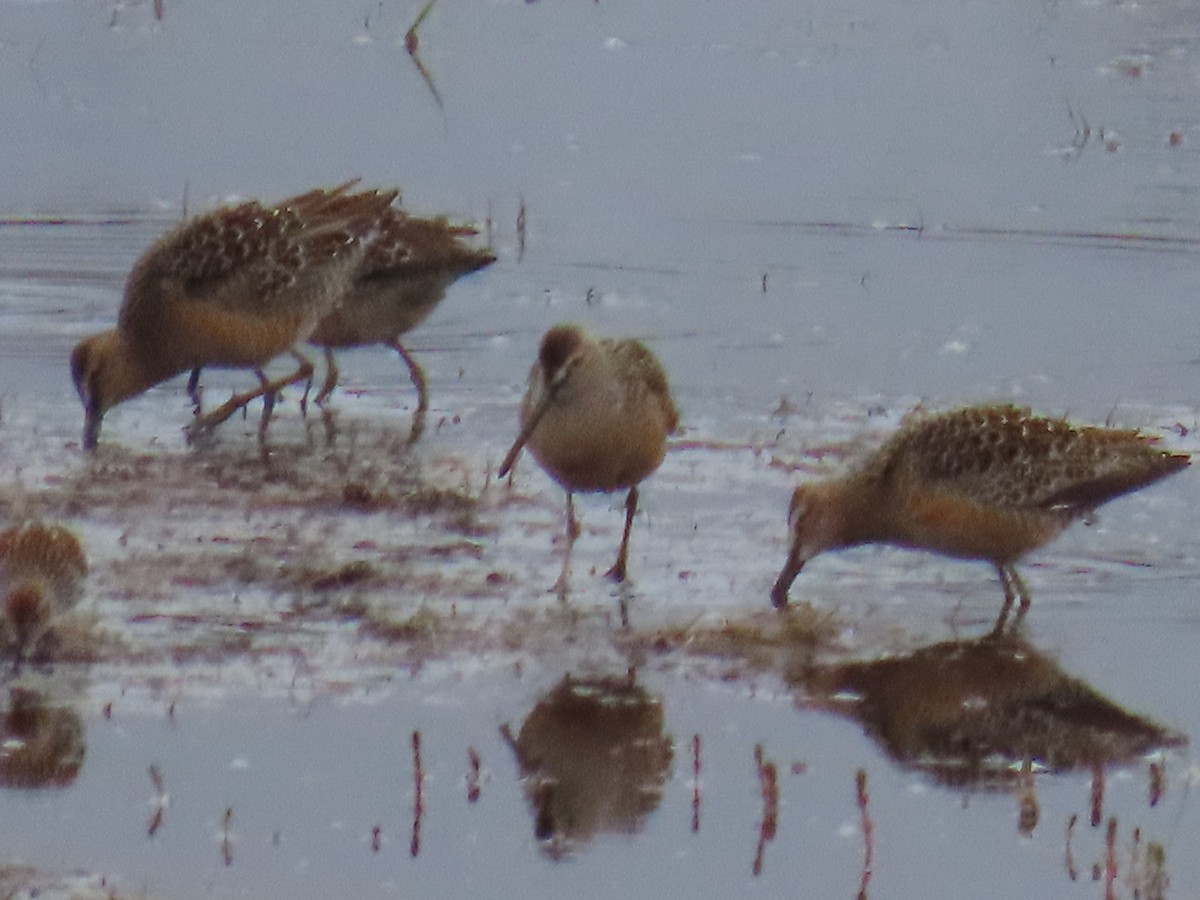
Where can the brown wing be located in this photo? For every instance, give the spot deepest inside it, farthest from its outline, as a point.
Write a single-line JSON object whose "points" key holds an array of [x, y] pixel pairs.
{"points": [[404, 246], [406, 267], [1004, 456], [1111, 463], [645, 375], [46, 554], [248, 257]]}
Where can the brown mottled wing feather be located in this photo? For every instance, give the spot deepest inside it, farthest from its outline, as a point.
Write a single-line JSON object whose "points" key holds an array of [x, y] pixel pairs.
{"points": [[313, 200], [1004, 456], [404, 246], [49, 555], [247, 256], [636, 358], [1131, 461], [406, 266]]}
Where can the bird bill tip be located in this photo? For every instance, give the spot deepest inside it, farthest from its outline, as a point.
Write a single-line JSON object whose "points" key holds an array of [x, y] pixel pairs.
{"points": [[91, 431], [510, 458], [779, 593]]}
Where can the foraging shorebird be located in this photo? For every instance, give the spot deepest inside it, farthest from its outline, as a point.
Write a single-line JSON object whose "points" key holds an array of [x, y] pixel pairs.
{"points": [[983, 482], [406, 267], [234, 288], [42, 568], [596, 416]]}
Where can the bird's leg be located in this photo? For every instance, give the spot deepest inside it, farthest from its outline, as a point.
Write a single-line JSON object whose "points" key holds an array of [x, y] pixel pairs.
{"points": [[1014, 588], [1022, 592], [307, 387], [304, 372], [327, 386], [330, 382], [617, 572], [195, 392], [417, 374], [215, 417], [268, 404], [330, 425], [573, 529], [561, 585], [1005, 582]]}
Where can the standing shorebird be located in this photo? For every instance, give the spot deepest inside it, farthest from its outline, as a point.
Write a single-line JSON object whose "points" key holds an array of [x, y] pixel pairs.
{"points": [[596, 416], [984, 482], [406, 267], [42, 568], [233, 288]]}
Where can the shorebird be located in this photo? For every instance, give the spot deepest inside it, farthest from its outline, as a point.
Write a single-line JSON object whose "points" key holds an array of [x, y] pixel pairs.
{"points": [[596, 416], [235, 287], [407, 264], [983, 482], [42, 568]]}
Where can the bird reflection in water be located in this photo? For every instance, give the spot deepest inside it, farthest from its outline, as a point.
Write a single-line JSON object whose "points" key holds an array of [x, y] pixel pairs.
{"points": [[984, 714], [593, 758], [41, 743]]}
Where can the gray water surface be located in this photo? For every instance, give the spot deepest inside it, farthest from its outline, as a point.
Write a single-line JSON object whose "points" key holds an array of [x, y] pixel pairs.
{"points": [[818, 216]]}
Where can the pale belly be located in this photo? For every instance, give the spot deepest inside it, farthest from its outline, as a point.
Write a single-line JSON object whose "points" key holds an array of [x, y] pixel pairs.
{"points": [[599, 453]]}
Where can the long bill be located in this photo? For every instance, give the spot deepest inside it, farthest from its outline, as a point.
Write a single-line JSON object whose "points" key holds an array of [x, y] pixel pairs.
{"points": [[779, 593], [91, 425], [531, 423]]}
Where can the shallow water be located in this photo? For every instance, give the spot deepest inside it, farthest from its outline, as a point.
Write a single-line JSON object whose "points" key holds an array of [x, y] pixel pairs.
{"points": [[818, 217]]}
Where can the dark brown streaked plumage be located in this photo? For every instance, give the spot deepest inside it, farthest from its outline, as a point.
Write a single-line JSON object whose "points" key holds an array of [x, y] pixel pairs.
{"points": [[235, 287], [983, 482]]}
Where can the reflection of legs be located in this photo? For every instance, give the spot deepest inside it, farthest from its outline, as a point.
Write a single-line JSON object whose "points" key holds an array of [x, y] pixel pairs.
{"points": [[266, 390], [617, 572], [560, 586], [417, 374], [1014, 588]]}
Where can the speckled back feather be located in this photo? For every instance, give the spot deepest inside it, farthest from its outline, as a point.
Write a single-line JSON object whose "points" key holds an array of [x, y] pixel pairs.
{"points": [[406, 266], [404, 246], [247, 256], [1006, 457], [644, 375], [46, 555]]}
